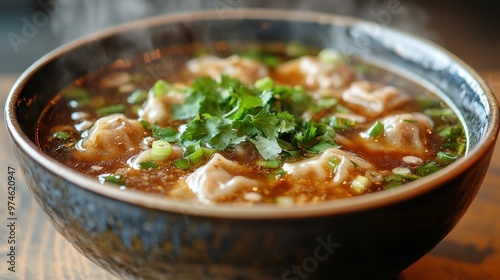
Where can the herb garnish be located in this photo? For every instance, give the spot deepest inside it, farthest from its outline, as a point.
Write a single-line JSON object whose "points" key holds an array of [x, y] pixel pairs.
{"points": [[219, 114]]}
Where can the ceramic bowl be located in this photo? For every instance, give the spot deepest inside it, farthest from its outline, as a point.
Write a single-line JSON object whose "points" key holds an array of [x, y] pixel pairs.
{"points": [[138, 235]]}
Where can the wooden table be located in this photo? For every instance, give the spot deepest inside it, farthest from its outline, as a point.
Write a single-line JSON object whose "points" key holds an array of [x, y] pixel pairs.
{"points": [[470, 251]]}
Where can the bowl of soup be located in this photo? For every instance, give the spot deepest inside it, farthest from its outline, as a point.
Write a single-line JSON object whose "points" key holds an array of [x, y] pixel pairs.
{"points": [[261, 145]]}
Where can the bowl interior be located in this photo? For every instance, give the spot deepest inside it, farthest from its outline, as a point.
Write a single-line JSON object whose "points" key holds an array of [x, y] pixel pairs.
{"points": [[432, 66]]}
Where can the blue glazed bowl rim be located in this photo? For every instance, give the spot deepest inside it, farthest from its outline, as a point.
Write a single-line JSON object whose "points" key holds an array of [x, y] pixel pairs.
{"points": [[334, 207]]}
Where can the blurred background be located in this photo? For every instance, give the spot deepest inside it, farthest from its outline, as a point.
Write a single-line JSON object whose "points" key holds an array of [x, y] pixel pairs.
{"points": [[31, 28]]}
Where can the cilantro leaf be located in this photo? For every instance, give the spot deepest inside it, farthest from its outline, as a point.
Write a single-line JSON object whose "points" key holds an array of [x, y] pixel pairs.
{"points": [[165, 133], [295, 100], [148, 164], [194, 131], [286, 122], [321, 147], [190, 108], [217, 115], [266, 123], [246, 100], [221, 134], [269, 149], [307, 137]]}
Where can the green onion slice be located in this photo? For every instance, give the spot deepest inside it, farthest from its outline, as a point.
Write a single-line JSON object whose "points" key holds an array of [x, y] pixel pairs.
{"points": [[182, 164], [112, 109], [376, 129], [137, 96], [333, 162], [161, 88], [161, 150], [427, 169], [273, 163], [61, 135], [445, 158]]}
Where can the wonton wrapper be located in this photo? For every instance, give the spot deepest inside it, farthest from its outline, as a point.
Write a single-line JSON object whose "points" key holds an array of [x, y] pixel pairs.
{"points": [[246, 70], [314, 74], [110, 137], [374, 99], [217, 178], [318, 168], [158, 110], [407, 134]]}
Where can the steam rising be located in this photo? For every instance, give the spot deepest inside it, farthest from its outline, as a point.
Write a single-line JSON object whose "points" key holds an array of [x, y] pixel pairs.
{"points": [[77, 18]]}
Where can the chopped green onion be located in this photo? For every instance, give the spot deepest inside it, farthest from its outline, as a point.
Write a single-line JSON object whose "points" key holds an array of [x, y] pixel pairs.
{"points": [[450, 133], [445, 158], [360, 184], [207, 152], [354, 164], [393, 184], [333, 162], [182, 164], [148, 164], [374, 176], [376, 129], [196, 157], [145, 124], [274, 163], [265, 83], [276, 175], [340, 123], [161, 150], [112, 109], [137, 96], [410, 176], [61, 135], [461, 149], [410, 121], [427, 169], [399, 179], [401, 171], [113, 178], [160, 88]]}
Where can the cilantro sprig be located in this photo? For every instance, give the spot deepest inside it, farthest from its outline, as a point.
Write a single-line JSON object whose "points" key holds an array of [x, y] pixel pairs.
{"points": [[220, 114]]}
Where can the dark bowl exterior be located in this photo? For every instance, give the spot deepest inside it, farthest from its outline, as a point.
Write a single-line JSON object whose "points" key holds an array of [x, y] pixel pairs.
{"points": [[136, 240]]}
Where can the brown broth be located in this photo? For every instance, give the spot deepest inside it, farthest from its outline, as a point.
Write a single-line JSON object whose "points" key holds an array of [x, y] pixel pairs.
{"points": [[161, 180]]}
